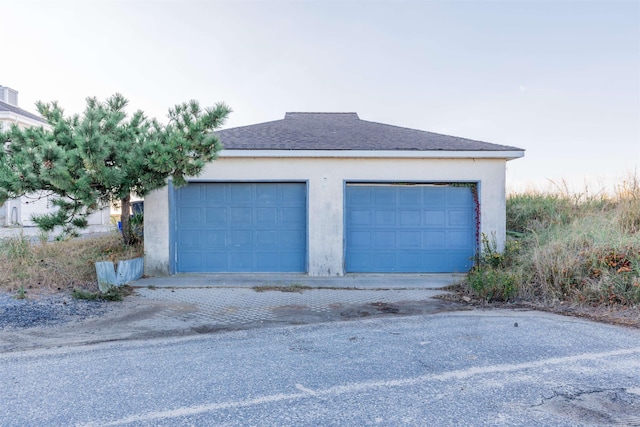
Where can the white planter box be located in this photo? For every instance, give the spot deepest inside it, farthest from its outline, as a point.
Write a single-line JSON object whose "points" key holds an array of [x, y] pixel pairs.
{"points": [[128, 271]]}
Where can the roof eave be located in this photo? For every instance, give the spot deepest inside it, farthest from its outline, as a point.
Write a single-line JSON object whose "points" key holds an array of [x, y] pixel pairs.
{"points": [[11, 117], [375, 154]]}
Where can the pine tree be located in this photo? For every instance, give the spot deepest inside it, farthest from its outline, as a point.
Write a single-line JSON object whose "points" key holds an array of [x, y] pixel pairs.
{"points": [[103, 156]]}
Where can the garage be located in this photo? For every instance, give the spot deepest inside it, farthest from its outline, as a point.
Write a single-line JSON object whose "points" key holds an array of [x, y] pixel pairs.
{"points": [[409, 228], [329, 194], [241, 227]]}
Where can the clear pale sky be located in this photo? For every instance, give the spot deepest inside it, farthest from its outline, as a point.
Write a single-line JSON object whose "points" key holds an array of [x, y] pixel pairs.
{"points": [[560, 79]]}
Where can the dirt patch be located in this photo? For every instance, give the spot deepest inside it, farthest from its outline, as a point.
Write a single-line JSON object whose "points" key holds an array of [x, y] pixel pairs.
{"points": [[300, 314], [282, 288], [614, 314]]}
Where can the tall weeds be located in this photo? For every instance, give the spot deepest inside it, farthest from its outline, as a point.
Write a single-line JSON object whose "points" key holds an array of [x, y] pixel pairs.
{"points": [[578, 248]]}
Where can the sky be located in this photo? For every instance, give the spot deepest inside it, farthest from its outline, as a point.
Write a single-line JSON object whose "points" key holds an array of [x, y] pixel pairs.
{"points": [[560, 79]]}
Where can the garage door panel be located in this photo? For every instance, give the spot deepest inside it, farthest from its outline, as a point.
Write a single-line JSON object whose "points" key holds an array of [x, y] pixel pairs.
{"points": [[267, 195], [359, 217], [359, 238], [458, 262], [460, 218], [409, 260], [193, 261], [240, 215], [434, 240], [190, 215], [290, 239], [241, 227], [435, 218], [292, 193], [458, 240], [409, 218], [191, 240], [241, 261], [383, 261], [212, 238], [409, 228], [214, 195], [359, 197], [384, 196], [189, 194], [384, 239], [241, 238], [215, 215], [293, 215], [267, 239], [267, 215], [385, 218], [212, 261], [241, 193], [459, 196], [410, 197], [433, 197], [290, 260], [409, 239], [268, 262], [437, 261], [360, 261]]}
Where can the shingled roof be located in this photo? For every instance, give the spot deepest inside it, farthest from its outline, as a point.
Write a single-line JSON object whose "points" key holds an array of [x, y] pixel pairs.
{"points": [[343, 131], [17, 110]]}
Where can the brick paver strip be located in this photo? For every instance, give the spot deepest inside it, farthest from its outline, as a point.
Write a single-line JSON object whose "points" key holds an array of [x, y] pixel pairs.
{"points": [[225, 306]]}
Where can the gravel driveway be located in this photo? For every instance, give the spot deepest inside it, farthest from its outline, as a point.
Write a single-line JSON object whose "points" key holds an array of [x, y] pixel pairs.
{"points": [[46, 310]]}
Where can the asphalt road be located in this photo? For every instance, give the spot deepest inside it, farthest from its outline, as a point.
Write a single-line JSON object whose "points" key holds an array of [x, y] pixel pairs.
{"points": [[472, 368]]}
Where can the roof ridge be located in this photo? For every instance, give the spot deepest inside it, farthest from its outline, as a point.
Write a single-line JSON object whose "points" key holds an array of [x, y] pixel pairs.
{"points": [[289, 114], [322, 112]]}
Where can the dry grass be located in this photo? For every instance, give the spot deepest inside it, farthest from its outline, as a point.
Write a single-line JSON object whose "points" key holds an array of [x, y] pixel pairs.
{"points": [[57, 266], [628, 201], [591, 260], [572, 248]]}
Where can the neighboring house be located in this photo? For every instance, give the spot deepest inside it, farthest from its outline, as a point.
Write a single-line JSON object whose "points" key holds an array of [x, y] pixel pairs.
{"points": [[18, 212], [328, 194]]}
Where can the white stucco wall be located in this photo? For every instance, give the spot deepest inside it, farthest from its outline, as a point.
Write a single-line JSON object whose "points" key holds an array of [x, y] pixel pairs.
{"points": [[35, 204], [326, 178], [156, 233]]}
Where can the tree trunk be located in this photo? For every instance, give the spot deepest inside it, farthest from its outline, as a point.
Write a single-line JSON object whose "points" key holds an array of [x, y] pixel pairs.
{"points": [[125, 219]]}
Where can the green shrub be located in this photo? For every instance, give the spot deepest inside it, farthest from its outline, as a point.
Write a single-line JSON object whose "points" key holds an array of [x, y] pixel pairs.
{"points": [[490, 279], [492, 284], [113, 294], [492, 257], [21, 293]]}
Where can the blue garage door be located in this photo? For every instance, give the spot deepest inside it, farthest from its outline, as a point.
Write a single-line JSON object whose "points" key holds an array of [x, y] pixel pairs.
{"points": [[241, 227], [409, 228]]}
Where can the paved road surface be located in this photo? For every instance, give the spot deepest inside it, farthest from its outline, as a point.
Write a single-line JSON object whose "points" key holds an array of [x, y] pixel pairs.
{"points": [[456, 368]]}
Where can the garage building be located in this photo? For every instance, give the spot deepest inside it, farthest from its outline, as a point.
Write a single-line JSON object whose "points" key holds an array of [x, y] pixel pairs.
{"points": [[328, 194]]}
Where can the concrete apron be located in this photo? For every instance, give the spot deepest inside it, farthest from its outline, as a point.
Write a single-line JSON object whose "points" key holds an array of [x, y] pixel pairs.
{"points": [[187, 304], [352, 281]]}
